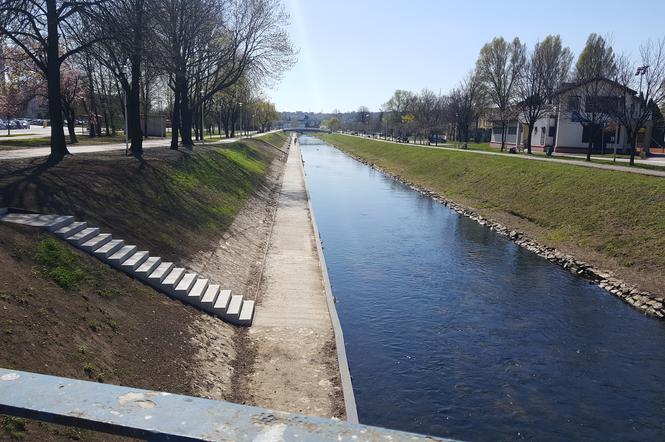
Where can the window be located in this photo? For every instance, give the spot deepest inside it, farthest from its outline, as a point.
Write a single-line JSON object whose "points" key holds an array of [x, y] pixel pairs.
{"points": [[496, 131], [590, 133], [542, 136], [601, 104], [552, 131], [512, 130], [573, 103]]}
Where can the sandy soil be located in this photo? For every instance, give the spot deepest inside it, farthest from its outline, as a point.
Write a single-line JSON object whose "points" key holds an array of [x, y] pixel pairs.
{"points": [[295, 366], [223, 355]]}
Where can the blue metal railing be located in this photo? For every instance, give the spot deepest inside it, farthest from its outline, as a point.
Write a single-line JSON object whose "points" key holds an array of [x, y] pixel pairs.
{"points": [[154, 415]]}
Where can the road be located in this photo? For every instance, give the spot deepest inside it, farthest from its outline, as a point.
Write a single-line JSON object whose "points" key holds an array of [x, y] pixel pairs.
{"points": [[581, 163], [35, 152], [33, 132]]}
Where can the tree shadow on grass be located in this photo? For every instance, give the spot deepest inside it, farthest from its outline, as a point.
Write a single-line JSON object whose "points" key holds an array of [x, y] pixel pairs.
{"points": [[13, 183]]}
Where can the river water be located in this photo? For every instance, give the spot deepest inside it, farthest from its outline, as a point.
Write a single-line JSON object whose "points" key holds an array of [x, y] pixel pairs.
{"points": [[453, 330]]}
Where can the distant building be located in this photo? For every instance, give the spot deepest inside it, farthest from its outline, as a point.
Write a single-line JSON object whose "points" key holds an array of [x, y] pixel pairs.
{"points": [[562, 128]]}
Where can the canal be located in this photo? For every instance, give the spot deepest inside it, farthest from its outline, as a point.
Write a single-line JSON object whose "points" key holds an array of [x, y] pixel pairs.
{"points": [[453, 330]]}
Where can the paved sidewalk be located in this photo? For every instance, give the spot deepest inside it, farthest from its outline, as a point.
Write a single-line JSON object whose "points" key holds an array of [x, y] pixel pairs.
{"points": [[35, 152], [296, 363], [639, 171]]}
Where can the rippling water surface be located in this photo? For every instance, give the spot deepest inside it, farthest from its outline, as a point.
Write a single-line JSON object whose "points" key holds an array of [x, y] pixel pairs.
{"points": [[454, 331]]}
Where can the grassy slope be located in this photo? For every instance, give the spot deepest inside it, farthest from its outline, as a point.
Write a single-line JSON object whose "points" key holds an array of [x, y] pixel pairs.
{"points": [[172, 204], [63, 312], [619, 215], [275, 138]]}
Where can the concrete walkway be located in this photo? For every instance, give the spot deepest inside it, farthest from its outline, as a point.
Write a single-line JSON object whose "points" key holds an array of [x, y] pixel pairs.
{"points": [[36, 152], [639, 171], [296, 367]]}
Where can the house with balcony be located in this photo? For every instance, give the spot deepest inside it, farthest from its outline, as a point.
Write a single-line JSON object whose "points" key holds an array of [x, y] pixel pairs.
{"points": [[582, 114]]}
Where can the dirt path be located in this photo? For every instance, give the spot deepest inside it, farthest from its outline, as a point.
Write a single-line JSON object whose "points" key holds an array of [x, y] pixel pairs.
{"points": [[221, 355], [292, 340]]}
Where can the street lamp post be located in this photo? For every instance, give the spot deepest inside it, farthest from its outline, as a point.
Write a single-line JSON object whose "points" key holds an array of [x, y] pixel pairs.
{"points": [[641, 70]]}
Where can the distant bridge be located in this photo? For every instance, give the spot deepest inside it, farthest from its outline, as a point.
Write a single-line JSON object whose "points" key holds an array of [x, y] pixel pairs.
{"points": [[306, 129]]}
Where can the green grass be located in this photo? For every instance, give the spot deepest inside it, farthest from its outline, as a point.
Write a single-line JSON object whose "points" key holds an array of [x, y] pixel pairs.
{"points": [[22, 143], [605, 158], [13, 427], [15, 135], [621, 215], [179, 202], [60, 263], [277, 139]]}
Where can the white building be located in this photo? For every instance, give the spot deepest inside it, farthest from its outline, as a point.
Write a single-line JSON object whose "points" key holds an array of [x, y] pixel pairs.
{"points": [[562, 128]]}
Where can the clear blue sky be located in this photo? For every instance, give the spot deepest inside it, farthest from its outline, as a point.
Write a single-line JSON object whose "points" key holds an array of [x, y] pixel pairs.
{"points": [[357, 52]]}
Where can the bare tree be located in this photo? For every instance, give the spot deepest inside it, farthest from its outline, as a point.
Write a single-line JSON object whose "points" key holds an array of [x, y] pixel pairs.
{"points": [[500, 65], [208, 45], [595, 95], [397, 107], [362, 118], [49, 32], [545, 70], [72, 93], [428, 112], [641, 91], [124, 29], [465, 104]]}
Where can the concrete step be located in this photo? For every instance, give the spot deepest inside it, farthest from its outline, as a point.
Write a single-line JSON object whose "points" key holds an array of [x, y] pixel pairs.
{"points": [[71, 229], [121, 255], [233, 310], [96, 242], [148, 266], [59, 222], [83, 236], [172, 279], [246, 313], [207, 301], [49, 222], [109, 248], [163, 276], [222, 302], [157, 276], [185, 285], [133, 262], [197, 291]]}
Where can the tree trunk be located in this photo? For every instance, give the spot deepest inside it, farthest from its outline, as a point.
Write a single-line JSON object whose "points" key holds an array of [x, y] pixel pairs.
{"points": [[528, 137], [503, 136], [58, 142], [107, 119], [633, 147], [186, 123], [71, 126], [134, 108], [175, 117]]}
